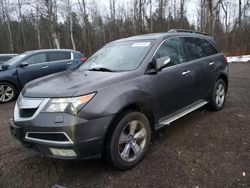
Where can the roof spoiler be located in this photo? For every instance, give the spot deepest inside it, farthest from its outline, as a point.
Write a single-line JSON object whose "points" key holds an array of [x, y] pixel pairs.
{"points": [[186, 31]]}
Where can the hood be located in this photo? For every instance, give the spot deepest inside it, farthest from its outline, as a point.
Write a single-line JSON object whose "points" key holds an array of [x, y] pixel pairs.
{"points": [[71, 83]]}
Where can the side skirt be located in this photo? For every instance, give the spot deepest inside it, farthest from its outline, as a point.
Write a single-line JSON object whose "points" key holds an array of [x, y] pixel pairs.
{"points": [[180, 113]]}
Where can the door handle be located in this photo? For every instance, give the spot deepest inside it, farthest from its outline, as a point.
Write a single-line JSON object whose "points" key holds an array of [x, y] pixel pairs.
{"points": [[45, 67], [211, 63], [69, 63], [185, 73]]}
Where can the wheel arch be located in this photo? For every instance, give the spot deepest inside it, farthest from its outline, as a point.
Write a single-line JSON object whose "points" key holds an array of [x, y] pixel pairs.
{"points": [[9, 82], [140, 107], [224, 78]]}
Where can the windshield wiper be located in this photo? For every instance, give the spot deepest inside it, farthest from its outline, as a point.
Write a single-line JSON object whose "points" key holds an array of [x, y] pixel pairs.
{"points": [[103, 69]]}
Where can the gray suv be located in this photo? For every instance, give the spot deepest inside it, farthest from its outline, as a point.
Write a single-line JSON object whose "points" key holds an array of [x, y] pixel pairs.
{"points": [[111, 104], [21, 69]]}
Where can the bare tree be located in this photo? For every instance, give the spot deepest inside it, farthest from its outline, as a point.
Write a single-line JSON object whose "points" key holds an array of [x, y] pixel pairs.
{"points": [[70, 15], [6, 18]]}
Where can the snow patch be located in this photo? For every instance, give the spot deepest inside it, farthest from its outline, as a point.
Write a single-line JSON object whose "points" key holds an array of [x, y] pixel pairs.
{"points": [[242, 58]]}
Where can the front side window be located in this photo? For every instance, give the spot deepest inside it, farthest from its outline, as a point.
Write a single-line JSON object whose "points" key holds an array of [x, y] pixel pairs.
{"points": [[118, 56], [210, 49], [57, 56], [172, 48], [193, 48], [37, 58]]}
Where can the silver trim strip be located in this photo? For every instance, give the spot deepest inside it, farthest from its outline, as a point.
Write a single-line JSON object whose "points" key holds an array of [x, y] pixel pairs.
{"points": [[49, 141], [183, 113]]}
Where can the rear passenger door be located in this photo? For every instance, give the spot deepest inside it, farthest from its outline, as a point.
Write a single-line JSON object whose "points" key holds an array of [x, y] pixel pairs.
{"points": [[213, 61], [196, 56], [37, 67], [60, 61], [173, 85]]}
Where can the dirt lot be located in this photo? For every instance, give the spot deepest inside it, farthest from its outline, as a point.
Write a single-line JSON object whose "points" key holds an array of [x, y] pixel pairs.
{"points": [[203, 149]]}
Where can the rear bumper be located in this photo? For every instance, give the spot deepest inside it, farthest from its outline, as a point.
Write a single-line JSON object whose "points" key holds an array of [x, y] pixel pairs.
{"points": [[73, 138]]}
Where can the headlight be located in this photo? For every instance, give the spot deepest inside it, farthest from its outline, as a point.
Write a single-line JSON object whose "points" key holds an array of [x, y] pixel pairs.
{"points": [[69, 105]]}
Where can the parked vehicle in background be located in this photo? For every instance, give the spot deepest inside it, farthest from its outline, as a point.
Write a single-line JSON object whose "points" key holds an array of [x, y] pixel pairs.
{"points": [[120, 95], [21, 69], [6, 57]]}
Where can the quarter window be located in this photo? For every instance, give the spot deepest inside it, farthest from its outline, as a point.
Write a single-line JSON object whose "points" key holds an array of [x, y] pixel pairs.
{"points": [[209, 48], [37, 58], [193, 48], [172, 48]]}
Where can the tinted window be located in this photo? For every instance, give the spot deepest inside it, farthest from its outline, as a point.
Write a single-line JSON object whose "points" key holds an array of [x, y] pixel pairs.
{"points": [[172, 48], [37, 58], [193, 48], [56, 56], [209, 48], [3, 59]]}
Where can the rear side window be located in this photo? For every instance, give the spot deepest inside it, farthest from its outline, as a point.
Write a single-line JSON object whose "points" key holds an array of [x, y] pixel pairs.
{"points": [[193, 48], [210, 49], [172, 48], [37, 58], [57, 56]]}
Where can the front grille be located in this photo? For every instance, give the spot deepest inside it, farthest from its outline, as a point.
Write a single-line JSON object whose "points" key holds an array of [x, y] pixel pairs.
{"points": [[59, 137], [26, 113]]}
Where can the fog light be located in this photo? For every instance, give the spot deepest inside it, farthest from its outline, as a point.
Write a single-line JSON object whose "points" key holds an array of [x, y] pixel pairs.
{"points": [[63, 152]]}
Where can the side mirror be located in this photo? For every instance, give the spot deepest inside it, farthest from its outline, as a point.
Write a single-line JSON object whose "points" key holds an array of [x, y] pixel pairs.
{"points": [[162, 62], [5, 66], [23, 64]]}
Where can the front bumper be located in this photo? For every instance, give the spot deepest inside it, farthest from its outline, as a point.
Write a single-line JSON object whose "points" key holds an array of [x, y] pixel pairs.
{"points": [[69, 138]]}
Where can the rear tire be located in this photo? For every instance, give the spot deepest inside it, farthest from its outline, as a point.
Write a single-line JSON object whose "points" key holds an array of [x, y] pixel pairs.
{"points": [[218, 96], [129, 140], [7, 92]]}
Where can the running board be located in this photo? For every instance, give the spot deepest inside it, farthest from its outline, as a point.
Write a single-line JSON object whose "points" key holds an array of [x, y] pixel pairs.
{"points": [[180, 113]]}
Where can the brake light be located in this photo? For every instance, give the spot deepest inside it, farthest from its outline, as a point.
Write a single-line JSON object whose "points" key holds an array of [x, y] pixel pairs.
{"points": [[82, 59], [225, 58]]}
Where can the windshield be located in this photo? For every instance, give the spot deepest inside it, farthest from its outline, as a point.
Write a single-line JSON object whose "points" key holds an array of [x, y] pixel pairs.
{"points": [[15, 59], [118, 56]]}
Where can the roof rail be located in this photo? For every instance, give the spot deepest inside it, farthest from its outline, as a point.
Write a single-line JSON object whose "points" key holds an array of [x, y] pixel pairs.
{"points": [[186, 30]]}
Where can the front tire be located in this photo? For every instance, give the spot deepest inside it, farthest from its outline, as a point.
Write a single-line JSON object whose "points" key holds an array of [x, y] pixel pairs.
{"points": [[129, 141], [7, 92], [218, 96]]}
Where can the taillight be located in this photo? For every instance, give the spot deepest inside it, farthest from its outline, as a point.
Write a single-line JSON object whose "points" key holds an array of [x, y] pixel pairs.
{"points": [[225, 58], [82, 59]]}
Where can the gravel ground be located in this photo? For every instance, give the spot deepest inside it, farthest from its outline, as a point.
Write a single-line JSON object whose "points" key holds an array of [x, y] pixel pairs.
{"points": [[203, 149]]}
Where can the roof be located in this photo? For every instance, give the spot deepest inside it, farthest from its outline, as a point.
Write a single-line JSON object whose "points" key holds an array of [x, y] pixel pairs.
{"points": [[49, 50], [156, 36], [8, 54]]}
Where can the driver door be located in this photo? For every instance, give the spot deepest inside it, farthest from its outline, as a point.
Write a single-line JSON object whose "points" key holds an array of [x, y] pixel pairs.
{"points": [[173, 85], [36, 67]]}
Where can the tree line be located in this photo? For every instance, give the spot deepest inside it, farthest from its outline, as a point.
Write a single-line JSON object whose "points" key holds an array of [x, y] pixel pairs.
{"points": [[86, 25]]}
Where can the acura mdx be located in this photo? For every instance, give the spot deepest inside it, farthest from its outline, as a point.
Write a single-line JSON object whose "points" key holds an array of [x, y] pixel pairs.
{"points": [[111, 104]]}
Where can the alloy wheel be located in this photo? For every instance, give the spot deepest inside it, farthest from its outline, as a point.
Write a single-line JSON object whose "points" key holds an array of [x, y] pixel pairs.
{"points": [[6, 93], [132, 141], [220, 95]]}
